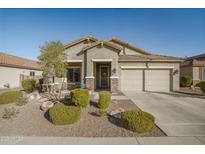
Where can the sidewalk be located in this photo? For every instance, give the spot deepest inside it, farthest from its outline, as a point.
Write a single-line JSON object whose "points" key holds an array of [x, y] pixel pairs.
{"points": [[102, 140]]}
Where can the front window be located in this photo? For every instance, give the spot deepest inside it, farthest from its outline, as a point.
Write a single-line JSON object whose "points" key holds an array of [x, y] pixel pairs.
{"points": [[32, 73], [73, 75], [203, 73]]}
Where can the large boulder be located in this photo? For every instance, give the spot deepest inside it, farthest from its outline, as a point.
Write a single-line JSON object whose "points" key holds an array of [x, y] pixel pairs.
{"points": [[45, 106]]}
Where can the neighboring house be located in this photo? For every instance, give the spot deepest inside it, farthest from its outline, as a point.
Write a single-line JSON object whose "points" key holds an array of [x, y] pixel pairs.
{"points": [[15, 69], [119, 66], [194, 67]]}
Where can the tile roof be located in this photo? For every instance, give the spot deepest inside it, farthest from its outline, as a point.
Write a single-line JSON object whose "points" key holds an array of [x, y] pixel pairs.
{"points": [[115, 40], [193, 62], [148, 58], [196, 56], [18, 62], [80, 40]]}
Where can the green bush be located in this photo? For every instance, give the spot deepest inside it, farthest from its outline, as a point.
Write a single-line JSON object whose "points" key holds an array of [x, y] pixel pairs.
{"points": [[104, 100], [61, 114], [21, 101], [101, 112], [28, 85], [10, 97], [80, 97], [138, 121], [202, 86], [186, 81]]}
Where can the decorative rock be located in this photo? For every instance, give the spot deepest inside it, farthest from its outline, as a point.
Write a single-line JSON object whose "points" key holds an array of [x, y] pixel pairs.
{"points": [[46, 105], [34, 96], [117, 111]]}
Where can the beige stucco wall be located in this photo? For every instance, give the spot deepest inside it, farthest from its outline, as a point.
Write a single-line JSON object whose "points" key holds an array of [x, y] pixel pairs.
{"points": [[127, 51], [196, 73], [75, 53], [12, 76], [102, 53]]}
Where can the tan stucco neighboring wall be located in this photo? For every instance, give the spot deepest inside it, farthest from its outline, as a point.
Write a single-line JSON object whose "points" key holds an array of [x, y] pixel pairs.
{"points": [[12, 76], [196, 73], [102, 53]]}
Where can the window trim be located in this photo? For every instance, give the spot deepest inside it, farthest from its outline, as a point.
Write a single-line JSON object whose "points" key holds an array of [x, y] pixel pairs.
{"points": [[74, 67], [32, 73]]}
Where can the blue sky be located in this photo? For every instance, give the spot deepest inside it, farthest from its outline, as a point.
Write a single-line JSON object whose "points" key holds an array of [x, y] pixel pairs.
{"points": [[175, 32]]}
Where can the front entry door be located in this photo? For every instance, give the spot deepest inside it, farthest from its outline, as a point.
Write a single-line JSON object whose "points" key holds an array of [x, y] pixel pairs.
{"points": [[104, 76]]}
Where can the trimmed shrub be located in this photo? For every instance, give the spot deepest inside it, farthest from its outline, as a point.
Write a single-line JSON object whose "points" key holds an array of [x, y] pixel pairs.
{"points": [[101, 112], [138, 121], [61, 114], [202, 86], [104, 100], [10, 97], [186, 81], [28, 85], [80, 97], [21, 101]]}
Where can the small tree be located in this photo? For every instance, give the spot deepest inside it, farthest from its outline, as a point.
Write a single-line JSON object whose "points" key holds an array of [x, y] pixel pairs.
{"points": [[53, 60]]}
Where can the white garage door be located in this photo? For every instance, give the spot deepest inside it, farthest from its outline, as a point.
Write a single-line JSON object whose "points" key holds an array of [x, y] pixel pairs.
{"points": [[132, 80], [157, 80]]}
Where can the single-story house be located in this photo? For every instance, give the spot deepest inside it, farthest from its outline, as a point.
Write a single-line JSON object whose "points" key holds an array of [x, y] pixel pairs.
{"points": [[194, 67], [14, 69], [119, 66]]}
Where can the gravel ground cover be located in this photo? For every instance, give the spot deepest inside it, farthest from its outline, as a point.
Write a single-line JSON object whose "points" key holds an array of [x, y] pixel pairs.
{"points": [[31, 121]]}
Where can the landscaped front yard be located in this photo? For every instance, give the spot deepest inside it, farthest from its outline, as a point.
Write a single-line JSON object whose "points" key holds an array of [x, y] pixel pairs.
{"points": [[31, 121]]}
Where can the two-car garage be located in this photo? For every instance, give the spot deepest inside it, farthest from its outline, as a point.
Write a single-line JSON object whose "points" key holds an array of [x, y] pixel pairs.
{"points": [[145, 80]]}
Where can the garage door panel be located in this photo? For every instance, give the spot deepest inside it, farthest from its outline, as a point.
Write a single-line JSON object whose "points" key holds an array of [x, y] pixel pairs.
{"points": [[132, 80], [157, 80]]}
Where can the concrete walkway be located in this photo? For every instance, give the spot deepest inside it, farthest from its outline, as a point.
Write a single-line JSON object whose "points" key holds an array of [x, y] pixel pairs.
{"points": [[176, 114], [19, 140]]}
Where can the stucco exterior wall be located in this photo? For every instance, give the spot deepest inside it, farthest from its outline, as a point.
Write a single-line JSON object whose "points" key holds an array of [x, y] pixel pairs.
{"points": [[75, 53], [127, 51], [196, 73], [12, 76], [102, 53]]}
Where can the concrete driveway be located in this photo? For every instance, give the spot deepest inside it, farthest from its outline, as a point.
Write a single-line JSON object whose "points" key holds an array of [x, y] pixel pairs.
{"points": [[176, 114]]}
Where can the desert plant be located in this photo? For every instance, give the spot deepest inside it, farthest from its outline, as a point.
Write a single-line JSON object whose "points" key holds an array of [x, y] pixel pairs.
{"points": [[10, 97], [202, 86], [10, 113], [28, 85], [104, 100], [61, 114], [137, 121], [186, 81], [80, 97]]}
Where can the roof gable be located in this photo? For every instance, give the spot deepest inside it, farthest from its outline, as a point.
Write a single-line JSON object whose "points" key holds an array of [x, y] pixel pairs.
{"points": [[102, 44], [87, 38], [125, 44]]}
